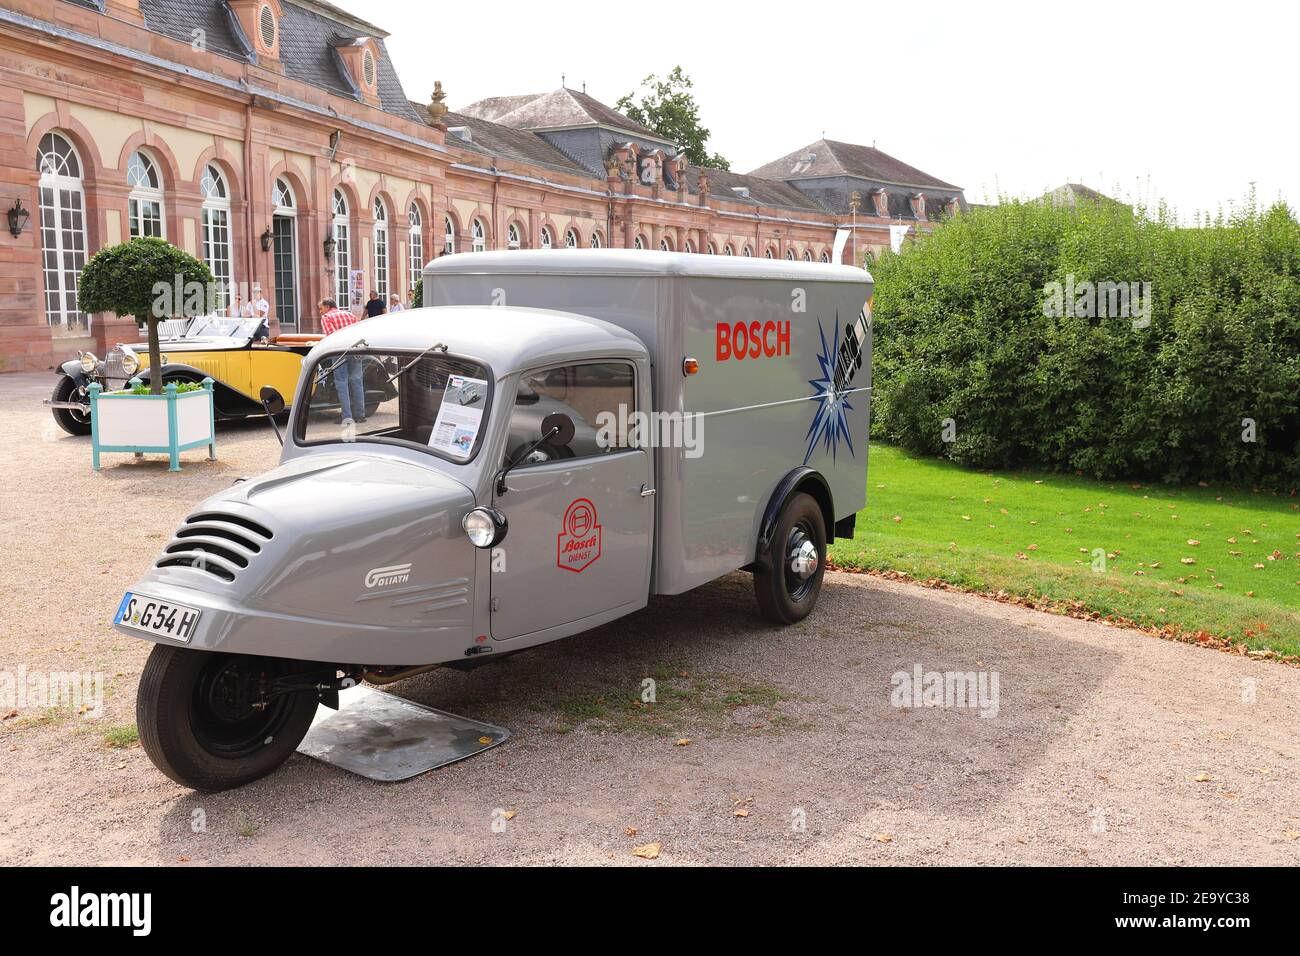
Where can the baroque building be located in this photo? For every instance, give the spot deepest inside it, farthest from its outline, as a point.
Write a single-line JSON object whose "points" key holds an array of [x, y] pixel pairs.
{"points": [[273, 139]]}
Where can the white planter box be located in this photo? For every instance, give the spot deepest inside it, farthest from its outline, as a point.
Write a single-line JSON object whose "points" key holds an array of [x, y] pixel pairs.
{"points": [[169, 423]]}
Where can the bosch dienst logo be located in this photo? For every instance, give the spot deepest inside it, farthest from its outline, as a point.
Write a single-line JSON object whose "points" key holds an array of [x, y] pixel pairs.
{"points": [[754, 340]]}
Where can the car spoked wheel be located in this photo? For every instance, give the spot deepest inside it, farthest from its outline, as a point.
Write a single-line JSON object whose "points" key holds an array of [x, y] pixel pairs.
{"points": [[214, 721], [71, 420], [787, 591]]}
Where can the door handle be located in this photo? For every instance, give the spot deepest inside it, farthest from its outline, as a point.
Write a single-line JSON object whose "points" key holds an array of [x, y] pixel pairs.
{"points": [[647, 492]]}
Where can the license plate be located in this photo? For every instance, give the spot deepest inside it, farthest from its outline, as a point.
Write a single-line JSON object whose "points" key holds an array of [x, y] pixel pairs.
{"points": [[156, 616]]}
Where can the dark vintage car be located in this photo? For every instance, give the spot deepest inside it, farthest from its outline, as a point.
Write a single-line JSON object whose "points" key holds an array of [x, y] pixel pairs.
{"points": [[230, 351]]}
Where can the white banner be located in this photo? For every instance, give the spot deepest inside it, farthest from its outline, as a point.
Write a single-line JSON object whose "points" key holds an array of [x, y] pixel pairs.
{"points": [[896, 236], [841, 240]]}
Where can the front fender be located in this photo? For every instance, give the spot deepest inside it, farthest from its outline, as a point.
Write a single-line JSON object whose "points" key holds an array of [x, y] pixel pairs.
{"points": [[72, 369]]}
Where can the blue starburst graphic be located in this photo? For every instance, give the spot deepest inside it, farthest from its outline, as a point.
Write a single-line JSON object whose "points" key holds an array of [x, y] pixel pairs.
{"points": [[830, 423]]}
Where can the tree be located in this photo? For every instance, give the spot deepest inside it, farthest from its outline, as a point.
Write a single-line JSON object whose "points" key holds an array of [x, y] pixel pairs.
{"points": [[668, 107], [151, 280]]}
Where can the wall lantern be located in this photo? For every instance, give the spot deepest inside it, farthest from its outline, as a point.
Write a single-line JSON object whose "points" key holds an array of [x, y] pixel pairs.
{"points": [[267, 241], [18, 217], [329, 248]]}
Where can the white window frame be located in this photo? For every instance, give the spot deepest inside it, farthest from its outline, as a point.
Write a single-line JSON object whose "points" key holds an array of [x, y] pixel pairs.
{"points": [[415, 245], [448, 236], [596, 241], [342, 250], [140, 169], [218, 232], [570, 238], [547, 240], [282, 190], [478, 236], [638, 243], [380, 279], [513, 240], [59, 179]]}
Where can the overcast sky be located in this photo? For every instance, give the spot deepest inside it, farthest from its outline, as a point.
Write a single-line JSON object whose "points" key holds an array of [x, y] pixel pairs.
{"points": [[1188, 102]]}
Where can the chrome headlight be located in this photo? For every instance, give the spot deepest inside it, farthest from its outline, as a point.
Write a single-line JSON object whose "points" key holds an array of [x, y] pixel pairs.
{"points": [[89, 363], [485, 527], [130, 361]]}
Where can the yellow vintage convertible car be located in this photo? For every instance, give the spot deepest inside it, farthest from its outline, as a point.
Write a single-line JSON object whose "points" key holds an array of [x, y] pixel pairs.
{"points": [[230, 351]]}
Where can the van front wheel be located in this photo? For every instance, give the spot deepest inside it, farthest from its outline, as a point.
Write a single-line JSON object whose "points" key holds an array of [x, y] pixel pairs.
{"points": [[213, 721], [787, 592]]}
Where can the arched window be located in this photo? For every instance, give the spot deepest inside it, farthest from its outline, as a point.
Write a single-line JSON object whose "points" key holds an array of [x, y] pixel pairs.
{"points": [[284, 233], [664, 245], [807, 255], [767, 253], [512, 237], [478, 236], [596, 241], [381, 249], [747, 252], [710, 250], [570, 238], [216, 232], [789, 254], [342, 250], [688, 246], [826, 256], [63, 231], [416, 245], [638, 243], [547, 240], [448, 236], [145, 205], [726, 250]]}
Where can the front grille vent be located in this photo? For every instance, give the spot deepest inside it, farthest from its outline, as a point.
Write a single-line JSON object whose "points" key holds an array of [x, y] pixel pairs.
{"points": [[215, 543]]}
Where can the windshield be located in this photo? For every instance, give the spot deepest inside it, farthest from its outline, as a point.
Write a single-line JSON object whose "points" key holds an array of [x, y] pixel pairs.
{"points": [[218, 326], [433, 401]]}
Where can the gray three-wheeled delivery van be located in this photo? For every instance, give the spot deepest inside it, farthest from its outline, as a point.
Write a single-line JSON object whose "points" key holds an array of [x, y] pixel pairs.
{"points": [[559, 435]]}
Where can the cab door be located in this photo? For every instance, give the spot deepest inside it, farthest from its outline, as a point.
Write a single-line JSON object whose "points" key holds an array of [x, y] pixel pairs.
{"points": [[580, 513]]}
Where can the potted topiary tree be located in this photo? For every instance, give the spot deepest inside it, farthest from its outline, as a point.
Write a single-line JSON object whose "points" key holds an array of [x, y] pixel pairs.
{"points": [[151, 280]]}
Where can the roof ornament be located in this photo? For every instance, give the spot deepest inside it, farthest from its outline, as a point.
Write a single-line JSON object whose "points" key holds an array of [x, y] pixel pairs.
{"points": [[437, 108]]}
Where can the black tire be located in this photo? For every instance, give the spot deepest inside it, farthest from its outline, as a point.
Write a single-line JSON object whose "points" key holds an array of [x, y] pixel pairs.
{"points": [[72, 422], [784, 594], [196, 735]]}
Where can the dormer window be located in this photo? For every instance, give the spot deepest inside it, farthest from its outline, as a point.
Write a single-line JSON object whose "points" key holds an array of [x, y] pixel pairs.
{"points": [[360, 57], [267, 28], [368, 68]]}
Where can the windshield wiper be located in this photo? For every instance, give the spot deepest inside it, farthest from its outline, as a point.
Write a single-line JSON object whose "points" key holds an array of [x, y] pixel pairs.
{"points": [[322, 372], [436, 346]]}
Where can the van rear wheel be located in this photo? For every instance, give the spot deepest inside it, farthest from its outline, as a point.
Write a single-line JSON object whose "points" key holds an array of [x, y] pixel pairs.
{"points": [[214, 721], [788, 591]]}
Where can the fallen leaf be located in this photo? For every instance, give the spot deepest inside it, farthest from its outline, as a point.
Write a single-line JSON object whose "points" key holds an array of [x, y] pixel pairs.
{"points": [[10, 714], [1188, 560], [1291, 834], [897, 518], [682, 742], [485, 740], [649, 851], [887, 837], [510, 814], [742, 812], [1202, 777], [630, 831], [1193, 542]]}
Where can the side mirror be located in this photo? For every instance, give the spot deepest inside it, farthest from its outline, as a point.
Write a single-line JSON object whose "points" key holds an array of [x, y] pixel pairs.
{"points": [[272, 400], [562, 425]]}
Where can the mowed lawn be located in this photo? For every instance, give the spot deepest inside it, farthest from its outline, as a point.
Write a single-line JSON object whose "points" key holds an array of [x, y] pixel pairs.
{"points": [[1221, 560]]}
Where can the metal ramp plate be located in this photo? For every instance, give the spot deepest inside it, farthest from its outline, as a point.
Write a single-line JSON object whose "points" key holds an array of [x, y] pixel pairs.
{"points": [[385, 737]]}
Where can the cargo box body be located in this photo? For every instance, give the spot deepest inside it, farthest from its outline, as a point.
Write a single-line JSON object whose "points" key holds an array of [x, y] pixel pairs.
{"points": [[784, 378]]}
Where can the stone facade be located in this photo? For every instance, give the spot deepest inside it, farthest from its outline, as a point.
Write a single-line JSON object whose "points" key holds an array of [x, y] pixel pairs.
{"points": [[273, 138]]}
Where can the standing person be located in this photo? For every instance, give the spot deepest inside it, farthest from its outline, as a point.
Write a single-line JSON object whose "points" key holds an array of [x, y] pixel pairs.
{"points": [[376, 305], [395, 303], [258, 307], [347, 372]]}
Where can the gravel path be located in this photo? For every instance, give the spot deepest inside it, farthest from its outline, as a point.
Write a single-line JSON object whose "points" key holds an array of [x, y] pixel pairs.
{"points": [[1107, 746]]}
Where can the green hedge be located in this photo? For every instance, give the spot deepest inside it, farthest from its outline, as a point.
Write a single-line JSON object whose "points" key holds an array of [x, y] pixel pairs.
{"points": [[961, 333]]}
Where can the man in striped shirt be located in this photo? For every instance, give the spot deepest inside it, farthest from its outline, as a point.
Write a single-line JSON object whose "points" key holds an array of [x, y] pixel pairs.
{"points": [[347, 373]]}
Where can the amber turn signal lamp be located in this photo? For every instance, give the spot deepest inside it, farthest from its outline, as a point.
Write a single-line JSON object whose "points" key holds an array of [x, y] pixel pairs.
{"points": [[690, 366]]}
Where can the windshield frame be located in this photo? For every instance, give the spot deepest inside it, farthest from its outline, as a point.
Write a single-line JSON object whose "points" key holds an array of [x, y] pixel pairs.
{"points": [[298, 424]]}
